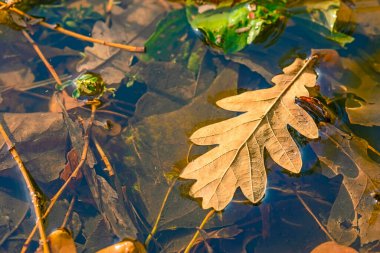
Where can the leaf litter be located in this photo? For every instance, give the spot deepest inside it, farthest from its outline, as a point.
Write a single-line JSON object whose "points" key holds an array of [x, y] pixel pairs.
{"points": [[154, 144]]}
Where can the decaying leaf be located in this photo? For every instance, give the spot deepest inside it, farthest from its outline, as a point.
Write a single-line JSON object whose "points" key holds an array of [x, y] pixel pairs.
{"points": [[40, 139], [332, 247], [355, 211], [238, 160]]}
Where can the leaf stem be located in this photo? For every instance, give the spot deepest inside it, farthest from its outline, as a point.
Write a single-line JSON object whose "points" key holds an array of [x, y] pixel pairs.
{"points": [[205, 220], [30, 186], [76, 35]]}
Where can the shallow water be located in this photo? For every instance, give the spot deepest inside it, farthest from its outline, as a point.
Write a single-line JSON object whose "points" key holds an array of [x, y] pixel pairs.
{"points": [[166, 102]]}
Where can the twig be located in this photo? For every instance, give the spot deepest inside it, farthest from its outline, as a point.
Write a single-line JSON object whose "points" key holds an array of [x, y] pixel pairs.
{"points": [[205, 220], [6, 236], [73, 175], [155, 226], [76, 35], [43, 58], [104, 158], [30, 186], [68, 213], [313, 215]]}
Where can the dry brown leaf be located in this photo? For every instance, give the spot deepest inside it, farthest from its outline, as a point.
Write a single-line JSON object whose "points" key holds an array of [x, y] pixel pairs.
{"points": [[238, 160], [332, 247]]}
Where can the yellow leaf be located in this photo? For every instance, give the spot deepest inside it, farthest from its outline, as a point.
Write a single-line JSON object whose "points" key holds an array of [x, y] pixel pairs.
{"points": [[238, 158], [332, 247]]}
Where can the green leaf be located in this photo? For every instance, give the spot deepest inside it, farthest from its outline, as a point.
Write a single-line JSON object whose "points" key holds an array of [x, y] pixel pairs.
{"points": [[76, 93], [231, 28]]}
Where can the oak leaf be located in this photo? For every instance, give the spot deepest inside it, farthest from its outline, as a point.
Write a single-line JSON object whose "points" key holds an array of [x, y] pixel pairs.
{"points": [[238, 160]]}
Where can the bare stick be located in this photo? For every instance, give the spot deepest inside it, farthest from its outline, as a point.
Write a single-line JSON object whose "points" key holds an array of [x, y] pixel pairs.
{"points": [[314, 217], [104, 157], [43, 58], [155, 226], [205, 220], [73, 175], [68, 213], [76, 35], [30, 186], [6, 236]]}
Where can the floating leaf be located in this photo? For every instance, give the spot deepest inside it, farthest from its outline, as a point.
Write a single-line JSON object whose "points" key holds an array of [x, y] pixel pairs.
{"points": [[231, 27], [238, 160]]}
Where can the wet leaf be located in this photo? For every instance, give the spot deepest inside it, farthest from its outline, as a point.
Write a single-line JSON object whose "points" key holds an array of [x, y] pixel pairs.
{"points": [[325, 18], [154, 146], [355, 211], [125, 246], [41, 141], [238, 160], [131, 26], [60, 241], [231, 26], [332, 247]]}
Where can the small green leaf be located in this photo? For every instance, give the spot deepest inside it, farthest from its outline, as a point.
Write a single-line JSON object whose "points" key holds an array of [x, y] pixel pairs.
{"points": [[76, 93]]}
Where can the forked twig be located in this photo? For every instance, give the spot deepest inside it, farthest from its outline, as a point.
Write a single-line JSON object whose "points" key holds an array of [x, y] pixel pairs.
{"points": [[74, 34], [31, 188]]}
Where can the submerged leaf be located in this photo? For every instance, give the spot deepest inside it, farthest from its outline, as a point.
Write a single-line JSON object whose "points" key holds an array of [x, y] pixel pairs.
{"points": [[125, 246], [355, 211], [238, 160], [40, 139]]}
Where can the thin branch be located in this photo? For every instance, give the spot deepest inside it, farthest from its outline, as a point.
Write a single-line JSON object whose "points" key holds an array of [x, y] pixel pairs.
{"points": [[205, 220], [6, 236], [155, 226], [30, 186], [68, 213], [43, 58], [72, 176], [74, 34], [314, 217], [104, 157]]}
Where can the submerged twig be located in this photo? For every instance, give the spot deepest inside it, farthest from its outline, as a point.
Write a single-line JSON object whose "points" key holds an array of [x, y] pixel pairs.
{"points": [[314, 217], [68, 213], [104, 157], [158, 218], [94, 104], [74, 34], [42, 57], [30, 186], [204, 222], [6, 236]]}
